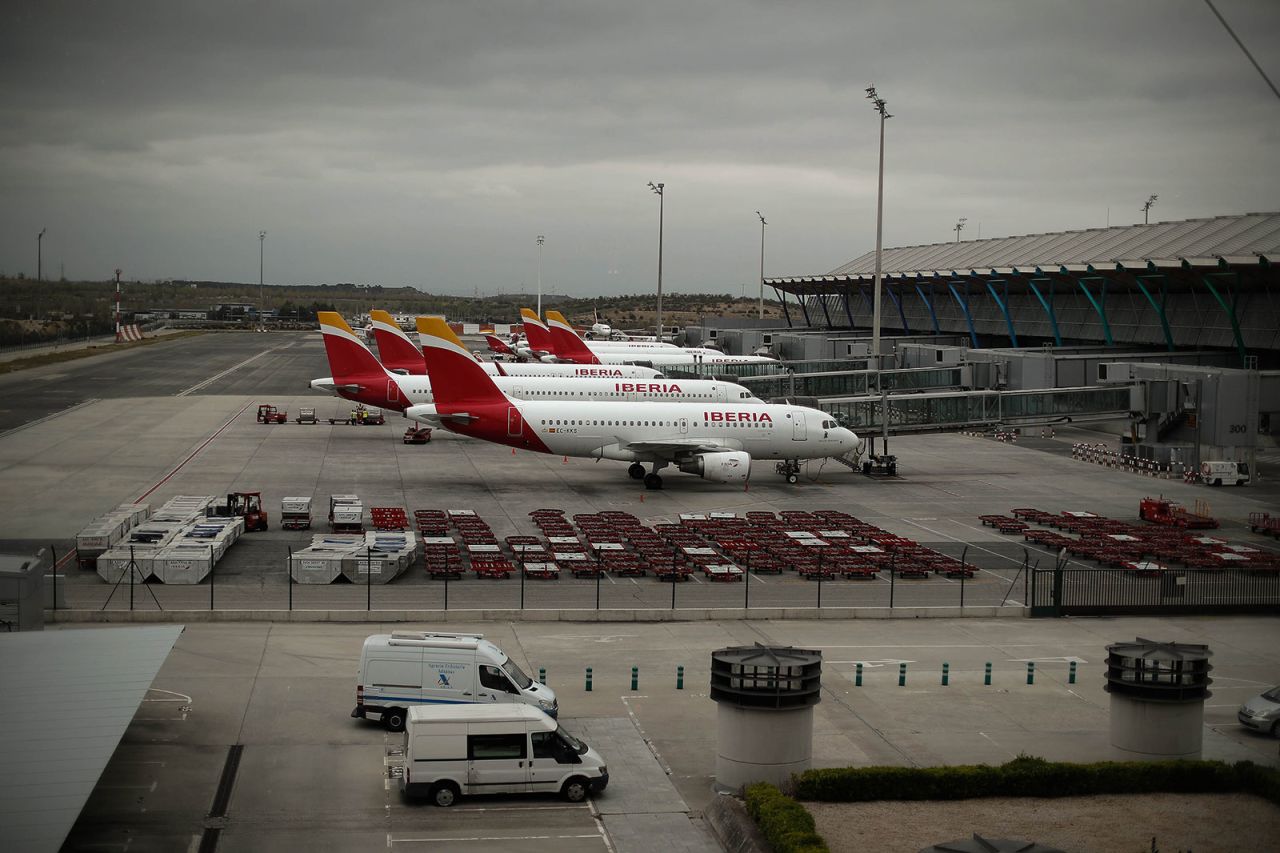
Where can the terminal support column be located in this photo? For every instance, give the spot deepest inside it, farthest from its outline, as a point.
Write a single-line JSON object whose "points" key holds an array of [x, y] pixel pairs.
{"points": [[847, 312], [964, 306], [1158, 306], [1004, 308], [1047, 304], [928, 303], [898, 302], [822, 298], [1098, 303], [782, 297], [1229, 309]]}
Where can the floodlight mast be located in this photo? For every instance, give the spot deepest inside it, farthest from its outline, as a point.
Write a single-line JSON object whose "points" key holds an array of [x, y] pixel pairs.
{"points": [[541, 240], [657, 188], [760, 314], [1146, 208], [262, 305], [40, 255], [880, 107], [960, 225]]}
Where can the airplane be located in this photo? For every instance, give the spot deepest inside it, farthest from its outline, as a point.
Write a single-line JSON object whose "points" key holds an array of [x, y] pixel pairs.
{"points": [[400, 354], [716, 441], [359, 377], [568, 346]]}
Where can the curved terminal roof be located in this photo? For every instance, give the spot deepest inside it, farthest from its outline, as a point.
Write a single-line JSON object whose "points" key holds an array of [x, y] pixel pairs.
{"points": [[1244, 240]]}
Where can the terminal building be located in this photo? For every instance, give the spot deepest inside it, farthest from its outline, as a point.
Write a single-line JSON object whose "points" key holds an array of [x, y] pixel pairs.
{"points": [[1166, 334]]}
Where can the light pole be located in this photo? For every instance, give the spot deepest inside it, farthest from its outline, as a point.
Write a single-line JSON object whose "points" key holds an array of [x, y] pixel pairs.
{"points": [[262, 240], [959, 225], [657, 188], [541, 240], [762, 225], [879, 104], [1146, 208], [40, 255]]}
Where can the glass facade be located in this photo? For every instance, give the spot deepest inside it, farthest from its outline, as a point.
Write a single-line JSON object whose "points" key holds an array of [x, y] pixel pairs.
{"points": [[977, 408]]}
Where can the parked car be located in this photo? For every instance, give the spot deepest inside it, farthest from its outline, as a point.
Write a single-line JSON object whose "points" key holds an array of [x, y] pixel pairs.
{"points": [[1262, 712]]}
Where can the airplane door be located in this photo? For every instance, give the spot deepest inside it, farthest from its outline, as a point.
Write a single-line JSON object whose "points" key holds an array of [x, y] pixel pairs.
{"points": [[517, 392], [514, 422], [798, 431], [393, 391], [684, 426], [720, 394]]}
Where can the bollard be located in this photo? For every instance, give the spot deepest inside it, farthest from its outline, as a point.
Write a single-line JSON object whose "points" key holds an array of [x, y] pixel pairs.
{"points": [[857, 677], [902, 675], [542, 670], [946, 673], [1071, 674], [588, 679], [680, 677], [635, 678], [986, 679], [1031, 672]]}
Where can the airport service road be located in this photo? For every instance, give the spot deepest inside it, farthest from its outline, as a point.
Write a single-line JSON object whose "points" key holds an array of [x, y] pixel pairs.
{"points": [[312, 778]]}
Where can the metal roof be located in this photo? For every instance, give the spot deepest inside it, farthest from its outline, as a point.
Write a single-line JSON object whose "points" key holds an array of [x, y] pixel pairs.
{"points": [[66, 698], [1246, 238]]}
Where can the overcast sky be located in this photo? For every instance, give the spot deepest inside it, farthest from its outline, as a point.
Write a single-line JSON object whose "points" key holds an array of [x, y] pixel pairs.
{"points": [[429, 143]]}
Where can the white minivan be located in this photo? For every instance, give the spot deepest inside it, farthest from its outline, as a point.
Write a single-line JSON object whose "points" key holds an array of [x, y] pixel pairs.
{"points": [[450, 750], [408, 668]]}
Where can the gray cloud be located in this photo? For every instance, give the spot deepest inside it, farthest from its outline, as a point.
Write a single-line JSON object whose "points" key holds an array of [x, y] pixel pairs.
{"points": [[428, 143]]}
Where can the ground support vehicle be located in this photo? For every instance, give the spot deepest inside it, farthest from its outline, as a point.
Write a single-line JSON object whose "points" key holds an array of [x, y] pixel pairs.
{"points": [[417, 435], [246, 505], [346, 514], [1171, 514], [269, 414], [1217, 473], [307, 415], [409, 668], [1265, 523], [295, 513], [450, 750], [361, 415]]}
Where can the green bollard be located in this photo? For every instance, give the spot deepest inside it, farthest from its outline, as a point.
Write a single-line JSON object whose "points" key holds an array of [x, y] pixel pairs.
{"points": [[946, 673], [1031, 672], [588, 679], [635, 678], [986, 679], [857, 677], [902, 675], [542, 675], [680, 677], [1071, 675]]}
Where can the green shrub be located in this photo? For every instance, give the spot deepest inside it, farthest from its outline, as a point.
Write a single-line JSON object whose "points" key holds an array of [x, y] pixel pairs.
{"points": [[1028, 776], [785, 824]]}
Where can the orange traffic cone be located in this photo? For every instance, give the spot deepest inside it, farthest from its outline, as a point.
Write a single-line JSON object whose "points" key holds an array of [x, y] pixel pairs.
{"points": [[513, 451], [566, 461]]}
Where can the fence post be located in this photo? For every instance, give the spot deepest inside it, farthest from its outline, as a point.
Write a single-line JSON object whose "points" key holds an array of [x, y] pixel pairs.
{"points": [[446, 592], [680, 677], [588, 679], [746, 585], [290, 578], [857, 676], [986, 679], [210, 578], [522, 573], [963, 573], [674, 578], [599, 572], [893, 562], [53, 555], [133, 567], [902, 675], [946, 673]]}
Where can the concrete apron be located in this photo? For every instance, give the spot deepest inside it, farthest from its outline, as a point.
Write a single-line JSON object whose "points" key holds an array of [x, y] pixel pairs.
{"points": [[529, 615]]}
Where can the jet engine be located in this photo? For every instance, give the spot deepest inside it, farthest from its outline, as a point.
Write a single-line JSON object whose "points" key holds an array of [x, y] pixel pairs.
{"points": [[730, 466]]}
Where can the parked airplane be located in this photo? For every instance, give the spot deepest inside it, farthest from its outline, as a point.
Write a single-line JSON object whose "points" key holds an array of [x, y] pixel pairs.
{"points": [[401, 355], [713, 440], [359, 377], [568, 346]]}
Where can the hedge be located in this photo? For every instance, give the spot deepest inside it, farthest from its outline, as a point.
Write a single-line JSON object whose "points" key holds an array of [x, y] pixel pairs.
{"points": [[1027, 776], [785, 824]]}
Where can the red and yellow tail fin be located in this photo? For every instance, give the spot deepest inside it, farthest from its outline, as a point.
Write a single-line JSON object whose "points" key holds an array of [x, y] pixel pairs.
{"points": [[498, 345], [395, 348], [536, 332], [349, 358], [456, 376], [568, 344]]}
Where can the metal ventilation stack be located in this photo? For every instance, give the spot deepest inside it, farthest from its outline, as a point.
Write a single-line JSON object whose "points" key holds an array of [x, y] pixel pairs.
{"points": [[1158, 692], [765, 716]]}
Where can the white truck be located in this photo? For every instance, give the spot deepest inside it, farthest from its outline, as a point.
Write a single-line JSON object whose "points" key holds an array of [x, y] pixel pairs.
{"points": [[1217, 473], [450, 750], [408, 668]]}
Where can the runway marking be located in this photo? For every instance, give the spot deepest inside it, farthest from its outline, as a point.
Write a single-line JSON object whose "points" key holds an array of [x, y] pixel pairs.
{"points": [[231, 369], [51, 416], [445, 839], [193, 453]]}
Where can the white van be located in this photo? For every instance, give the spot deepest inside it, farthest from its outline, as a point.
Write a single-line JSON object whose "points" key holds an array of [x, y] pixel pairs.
{"points": [[451, 750], [407, 668], [1217, 473]]}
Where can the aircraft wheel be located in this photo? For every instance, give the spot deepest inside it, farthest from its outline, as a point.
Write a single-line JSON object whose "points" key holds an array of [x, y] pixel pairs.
{"points": [[652, 481], [793, 479], [636, 471]]}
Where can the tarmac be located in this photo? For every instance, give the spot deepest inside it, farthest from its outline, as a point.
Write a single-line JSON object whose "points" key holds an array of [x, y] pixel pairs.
{"points": [[177, 417]]}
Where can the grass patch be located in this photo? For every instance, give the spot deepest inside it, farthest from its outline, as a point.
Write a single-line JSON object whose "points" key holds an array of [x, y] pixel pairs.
{"points": [[47, 358], [785, 824]]}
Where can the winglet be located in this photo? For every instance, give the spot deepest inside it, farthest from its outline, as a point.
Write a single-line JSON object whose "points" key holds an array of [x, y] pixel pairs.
{"points": [[568, 344], [455, 374], [395, 348]]}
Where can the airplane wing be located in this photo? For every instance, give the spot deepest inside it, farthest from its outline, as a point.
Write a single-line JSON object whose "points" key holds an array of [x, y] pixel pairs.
{"points": [[674, 447]]}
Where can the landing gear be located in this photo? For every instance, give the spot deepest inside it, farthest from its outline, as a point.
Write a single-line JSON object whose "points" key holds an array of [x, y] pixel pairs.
{"points": [[652, 481], [636, 471], [790, 468]]}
